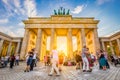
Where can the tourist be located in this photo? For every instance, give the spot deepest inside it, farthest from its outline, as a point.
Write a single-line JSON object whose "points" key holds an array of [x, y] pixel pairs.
{"points": [[98, 59], [29, 59], [45, 59], [33, 60], [6, 60], [85, 60], [93, 57], [106, 57], [61, 59], [115, 59], [48, 60], [17, 59], [54, 59], [102, 60], [78, 60], [12, 59], [90, 58]]}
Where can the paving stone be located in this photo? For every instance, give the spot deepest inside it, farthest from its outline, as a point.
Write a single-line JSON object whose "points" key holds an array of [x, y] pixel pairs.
{"points": [[68, 73]]}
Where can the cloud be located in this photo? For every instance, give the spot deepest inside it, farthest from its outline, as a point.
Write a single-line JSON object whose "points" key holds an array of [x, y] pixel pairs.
{"points": [[3, 21], [7, 30], [30, 7], [23, 8], [19, 32], [21, 24], [100, 2], [78, 9], [18, 8]]}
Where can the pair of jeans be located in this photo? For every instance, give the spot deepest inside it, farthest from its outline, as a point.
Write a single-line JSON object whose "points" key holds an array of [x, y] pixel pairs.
{"points": [[85, 63]]}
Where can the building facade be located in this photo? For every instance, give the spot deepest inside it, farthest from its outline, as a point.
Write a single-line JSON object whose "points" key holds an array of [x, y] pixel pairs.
{"points": [[37, 29], [9, 45], [111, 44]]}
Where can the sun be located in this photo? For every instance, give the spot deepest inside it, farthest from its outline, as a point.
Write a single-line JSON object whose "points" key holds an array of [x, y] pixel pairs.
{"points": [[62, 47]]}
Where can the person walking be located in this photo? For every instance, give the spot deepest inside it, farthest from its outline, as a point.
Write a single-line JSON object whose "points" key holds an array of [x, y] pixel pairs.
{"points": [[54, 58]]}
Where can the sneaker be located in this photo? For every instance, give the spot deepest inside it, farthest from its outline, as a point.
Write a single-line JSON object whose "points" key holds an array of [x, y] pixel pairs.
{"points": [[84, 70], [49, 74], [89, 71], [57, 74], [60, 70]]}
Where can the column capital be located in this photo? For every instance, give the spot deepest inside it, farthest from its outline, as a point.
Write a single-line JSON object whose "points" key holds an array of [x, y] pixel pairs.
{"points": [[70, 29]]}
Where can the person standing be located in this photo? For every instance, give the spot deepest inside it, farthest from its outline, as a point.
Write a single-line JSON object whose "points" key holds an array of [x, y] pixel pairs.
{"points": [[17, 59], [29, 59], [12, 59], [54, 58], [6, 60], [102, 60], [78, 60], [85, 60], [61, 59], [33, 60], [45, 60], [106, 57]]}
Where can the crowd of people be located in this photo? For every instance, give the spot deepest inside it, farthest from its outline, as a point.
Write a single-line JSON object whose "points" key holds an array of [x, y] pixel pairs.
{"points": [[85, 60], [11, 60]]}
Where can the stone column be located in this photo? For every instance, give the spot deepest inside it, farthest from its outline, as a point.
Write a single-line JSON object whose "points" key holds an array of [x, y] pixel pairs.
{"points": [[78, 42], [118, 43], [17, 48], [111, 47], [24, 44], [103, 45], [69, 44], [83, 40], [9, 48], [39, 42], [96, 40], [1, 45], [53, 41]]}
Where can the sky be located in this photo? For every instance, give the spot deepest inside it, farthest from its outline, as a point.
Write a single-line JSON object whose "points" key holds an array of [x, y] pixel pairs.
{"points": [[12, 12]]}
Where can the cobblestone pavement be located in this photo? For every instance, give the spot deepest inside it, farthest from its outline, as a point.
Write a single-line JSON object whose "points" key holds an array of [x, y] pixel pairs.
{"points": [[68, 73]]}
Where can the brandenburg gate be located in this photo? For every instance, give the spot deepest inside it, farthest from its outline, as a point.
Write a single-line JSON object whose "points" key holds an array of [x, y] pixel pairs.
{"points": [[37, 29]]}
